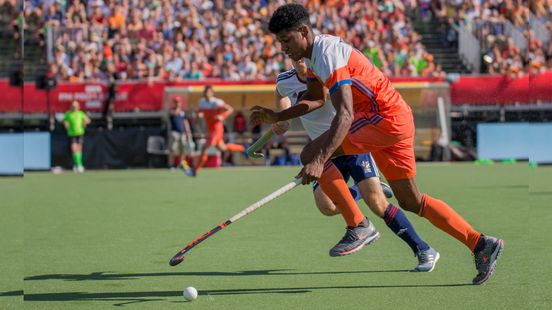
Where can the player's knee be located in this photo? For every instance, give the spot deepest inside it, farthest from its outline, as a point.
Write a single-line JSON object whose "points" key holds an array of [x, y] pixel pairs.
{"points": [[324, 204], [373, 196], [377, 206], [328, 210]]}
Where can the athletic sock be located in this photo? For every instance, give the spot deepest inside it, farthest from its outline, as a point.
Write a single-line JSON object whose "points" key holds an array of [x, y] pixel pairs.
{"points": [[336, 188], [184, 164], [201, 162], [77, 159], [235, 147], [355, 192], [445, 218], [397, 221]]}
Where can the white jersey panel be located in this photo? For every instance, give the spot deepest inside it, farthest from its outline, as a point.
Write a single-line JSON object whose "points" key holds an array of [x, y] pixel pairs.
{"points": [[316, 122], [214, 103], [329, 53]]}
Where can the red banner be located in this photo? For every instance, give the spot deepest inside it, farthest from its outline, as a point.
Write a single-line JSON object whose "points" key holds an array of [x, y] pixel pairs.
{"points": [[10, 97], [502, 89], [131, 96], [90, 95], [142, 96]]}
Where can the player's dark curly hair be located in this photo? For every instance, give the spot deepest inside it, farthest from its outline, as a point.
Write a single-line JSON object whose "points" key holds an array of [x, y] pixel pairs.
{"points": [[288, 17]]}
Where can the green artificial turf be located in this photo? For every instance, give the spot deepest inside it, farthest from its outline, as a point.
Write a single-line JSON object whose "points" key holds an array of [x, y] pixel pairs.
{"points": [[104, 238]]}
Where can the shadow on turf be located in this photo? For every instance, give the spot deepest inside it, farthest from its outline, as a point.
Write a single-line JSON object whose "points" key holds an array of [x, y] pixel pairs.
{"points": [[137, 297], [11, 293], [540, 193], [131, 276], [511, 186]]}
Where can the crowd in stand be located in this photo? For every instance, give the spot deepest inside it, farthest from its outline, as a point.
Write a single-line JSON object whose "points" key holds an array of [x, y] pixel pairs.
{"points": [[197, 39], [492, 22], [224, 39]]}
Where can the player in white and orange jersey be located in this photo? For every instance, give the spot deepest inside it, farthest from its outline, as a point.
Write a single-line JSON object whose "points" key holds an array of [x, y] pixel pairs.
{"points": [[371, 116]]}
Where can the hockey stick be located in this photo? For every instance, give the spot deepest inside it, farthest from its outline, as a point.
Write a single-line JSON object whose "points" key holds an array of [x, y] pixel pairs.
{"points": [[179, 257], [252, 150]]}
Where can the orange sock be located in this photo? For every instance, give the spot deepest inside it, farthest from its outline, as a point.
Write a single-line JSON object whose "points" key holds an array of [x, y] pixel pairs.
{"points": [[336, 188], [202, 160], [445, 218], [235, 147]]}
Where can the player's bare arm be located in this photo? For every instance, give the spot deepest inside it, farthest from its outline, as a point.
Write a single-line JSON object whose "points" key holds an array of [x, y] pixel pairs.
{"points": [[227, 110], [87, 120], [311, 100], [188, 129], [318, 151]]}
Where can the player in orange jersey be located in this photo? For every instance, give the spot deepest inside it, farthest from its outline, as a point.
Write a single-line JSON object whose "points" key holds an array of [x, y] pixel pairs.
{"points": [[371, 116], [214, 111]]}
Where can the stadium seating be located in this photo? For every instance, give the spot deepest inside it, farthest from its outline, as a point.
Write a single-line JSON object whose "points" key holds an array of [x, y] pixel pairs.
{"points": [[190, 40], [514, 35]]}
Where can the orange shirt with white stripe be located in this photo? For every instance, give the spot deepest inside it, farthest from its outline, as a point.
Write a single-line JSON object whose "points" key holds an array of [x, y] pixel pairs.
{"points": [[334, 63]]}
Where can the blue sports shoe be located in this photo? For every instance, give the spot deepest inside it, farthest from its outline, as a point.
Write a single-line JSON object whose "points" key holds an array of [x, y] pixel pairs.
{"points": [[245, 149], [187, 169], [427, 259]]}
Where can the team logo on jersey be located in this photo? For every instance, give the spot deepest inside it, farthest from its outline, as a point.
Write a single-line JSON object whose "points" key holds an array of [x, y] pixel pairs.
{"points": [[365, 164]]}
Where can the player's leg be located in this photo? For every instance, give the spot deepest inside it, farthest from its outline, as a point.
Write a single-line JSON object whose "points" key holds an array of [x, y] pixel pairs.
{"points": [[234, 148], [228, 148], [398, 223], [231, 147], [365, 173], [202, 157], [400, 175], [76, 151], [183, 147], [486, 249], [225, 152], [360, 230], [397, 162], [173, 148], [324, 204]]}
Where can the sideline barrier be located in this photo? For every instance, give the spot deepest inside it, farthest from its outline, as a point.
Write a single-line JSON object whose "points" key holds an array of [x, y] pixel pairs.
{"points": [[515, 141], [11, 154], [24, 151]]}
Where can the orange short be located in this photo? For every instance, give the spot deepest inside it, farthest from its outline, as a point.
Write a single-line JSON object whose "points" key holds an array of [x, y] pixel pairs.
{"points": [[390, 140], [216, 136]]}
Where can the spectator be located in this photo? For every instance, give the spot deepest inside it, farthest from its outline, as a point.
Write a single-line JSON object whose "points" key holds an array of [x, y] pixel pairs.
{"points": [[216, 40], [489, 21], [240, 124], [180, 140]]}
